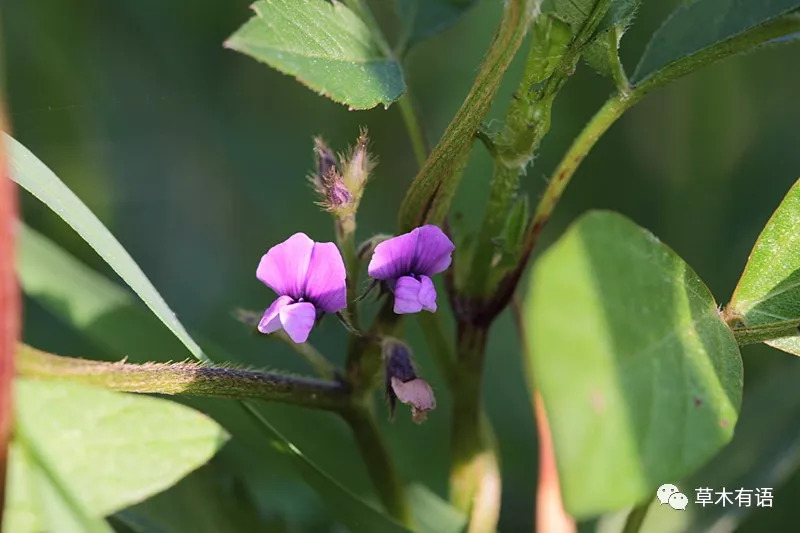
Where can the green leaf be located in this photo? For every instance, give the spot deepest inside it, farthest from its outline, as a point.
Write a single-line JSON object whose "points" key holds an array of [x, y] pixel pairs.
{"points": [[106, 313], [205, 501], [424, 18], [31, 174], [325, 46], [764, 452], [769, 290], [106, 450], [706, 25], [641, 378]]}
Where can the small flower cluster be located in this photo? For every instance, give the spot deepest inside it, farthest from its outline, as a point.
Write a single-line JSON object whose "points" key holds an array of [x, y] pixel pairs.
{"points": [[310, 277]]}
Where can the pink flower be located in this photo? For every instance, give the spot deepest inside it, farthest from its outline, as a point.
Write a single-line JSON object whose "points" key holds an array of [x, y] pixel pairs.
{"points": [[309, 278], [407, 262]]}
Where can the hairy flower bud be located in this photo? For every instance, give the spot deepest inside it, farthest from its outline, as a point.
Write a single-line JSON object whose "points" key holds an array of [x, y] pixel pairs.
{"points": [[402, 382], [358, 166]]}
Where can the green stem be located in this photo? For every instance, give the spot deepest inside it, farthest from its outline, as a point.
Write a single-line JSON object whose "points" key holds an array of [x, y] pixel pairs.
{"points": [[186, 379], [613, 109], [617, 69], [636, 518], [408, 109], [413, 124], [768, 332], [474, 473], [345, 238], [583, 143], [441, 350], [429, 196], [380, 466]]}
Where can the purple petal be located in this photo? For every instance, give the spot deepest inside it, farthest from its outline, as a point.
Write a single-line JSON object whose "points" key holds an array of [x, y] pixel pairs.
{"points": [[392, 258], [271, 322], [406, 296], [427, 294], [433, 252], [298, 319], [283, 268], [325, 284]]}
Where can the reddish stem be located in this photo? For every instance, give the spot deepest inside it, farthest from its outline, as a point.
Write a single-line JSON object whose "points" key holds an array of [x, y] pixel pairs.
{"points": [[10, 309]]}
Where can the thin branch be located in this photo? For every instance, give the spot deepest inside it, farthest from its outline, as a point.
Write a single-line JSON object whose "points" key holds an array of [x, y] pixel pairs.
{"points": [[186, 379]]}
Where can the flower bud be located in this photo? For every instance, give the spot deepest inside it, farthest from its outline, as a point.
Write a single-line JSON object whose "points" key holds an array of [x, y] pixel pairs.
{"points": [[358, 166], [402, 382]]}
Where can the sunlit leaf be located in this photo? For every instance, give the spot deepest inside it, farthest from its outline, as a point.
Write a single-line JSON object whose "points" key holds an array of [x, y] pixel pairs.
{"points": [[641, 378], [104, 450], [424, 18], [325, 46], [769, 289], [705, 24]]}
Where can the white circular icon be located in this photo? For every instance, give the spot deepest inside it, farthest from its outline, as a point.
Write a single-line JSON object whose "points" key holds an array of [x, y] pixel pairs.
{"points": [[678, 501], [665, 491]]}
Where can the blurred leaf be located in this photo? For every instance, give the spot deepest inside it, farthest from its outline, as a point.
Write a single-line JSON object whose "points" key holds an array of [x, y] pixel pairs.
{"points": [[108, 449], [325, 46], [641, 378], [769, 289], [424, 18], [703, 24], [764, 452], [100, 308], [433, 513], [34, 176], [205, 501]]}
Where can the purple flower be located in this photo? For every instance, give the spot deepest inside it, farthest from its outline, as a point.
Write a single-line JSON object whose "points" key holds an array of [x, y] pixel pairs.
{"points": [[407, 262], [309, 278]]}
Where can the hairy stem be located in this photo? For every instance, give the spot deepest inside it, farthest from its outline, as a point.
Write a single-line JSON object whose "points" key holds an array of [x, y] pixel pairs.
{"points": [[474, 473], [621, 102], [379, 462], [429, 196], [768, 332], [187, 379]]}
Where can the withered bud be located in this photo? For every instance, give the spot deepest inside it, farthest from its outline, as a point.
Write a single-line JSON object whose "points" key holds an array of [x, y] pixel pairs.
{"points": [[402, 382], [327, 182], [325, 158], [358, 165]]}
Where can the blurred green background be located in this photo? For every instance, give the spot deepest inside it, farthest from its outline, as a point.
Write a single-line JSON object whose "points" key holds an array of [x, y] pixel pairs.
{"points": [[195, 157]]}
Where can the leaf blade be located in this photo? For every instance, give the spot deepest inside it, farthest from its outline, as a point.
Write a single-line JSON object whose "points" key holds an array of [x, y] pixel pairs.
{"points": [[100, 444], [624, 336], [701, 25], [34, 176], [769, 289], [325, 46]]}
